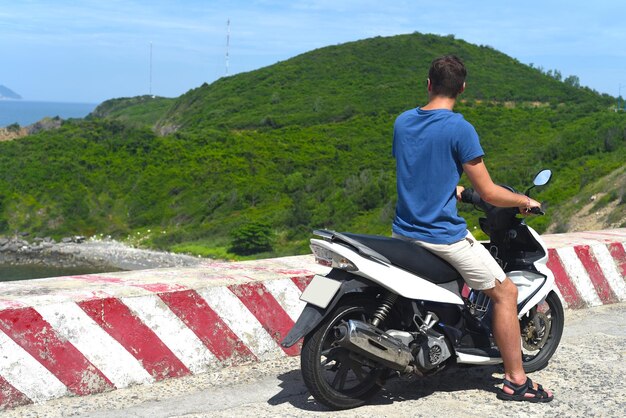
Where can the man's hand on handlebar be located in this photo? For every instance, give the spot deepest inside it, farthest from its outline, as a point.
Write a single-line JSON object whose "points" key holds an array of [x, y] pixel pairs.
{"points": [[459, 190], [531, 207]]}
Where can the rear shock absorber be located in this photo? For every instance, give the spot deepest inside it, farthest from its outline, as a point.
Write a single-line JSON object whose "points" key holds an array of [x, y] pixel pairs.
{"points": [[381, 313]]}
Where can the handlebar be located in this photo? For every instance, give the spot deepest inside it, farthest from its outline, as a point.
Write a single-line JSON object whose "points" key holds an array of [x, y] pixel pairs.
{"points": [[467, 196]]}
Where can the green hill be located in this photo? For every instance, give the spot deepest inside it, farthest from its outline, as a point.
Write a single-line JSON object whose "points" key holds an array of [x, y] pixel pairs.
{"points": [[379, 75], [263, 157]]}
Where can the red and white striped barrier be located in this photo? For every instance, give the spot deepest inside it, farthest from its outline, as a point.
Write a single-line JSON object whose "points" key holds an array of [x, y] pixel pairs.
{"points": [[79, 335], [589, 267]]}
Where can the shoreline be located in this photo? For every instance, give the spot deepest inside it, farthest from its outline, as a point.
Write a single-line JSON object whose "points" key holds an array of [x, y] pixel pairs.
{"points": [[91, 253]]}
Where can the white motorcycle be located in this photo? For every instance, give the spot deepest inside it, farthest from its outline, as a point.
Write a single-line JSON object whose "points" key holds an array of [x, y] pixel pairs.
{"points": [[389, 307]]}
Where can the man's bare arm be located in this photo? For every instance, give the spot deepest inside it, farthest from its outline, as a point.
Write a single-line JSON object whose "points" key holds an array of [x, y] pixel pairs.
{"points": [[490, 192]]}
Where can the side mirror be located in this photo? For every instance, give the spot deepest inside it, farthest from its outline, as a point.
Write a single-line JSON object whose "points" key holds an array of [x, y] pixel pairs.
{"points": [[542, 178]]}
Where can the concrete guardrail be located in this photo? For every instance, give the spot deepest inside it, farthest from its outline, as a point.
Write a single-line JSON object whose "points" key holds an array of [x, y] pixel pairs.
{"points": [[79, 335]]}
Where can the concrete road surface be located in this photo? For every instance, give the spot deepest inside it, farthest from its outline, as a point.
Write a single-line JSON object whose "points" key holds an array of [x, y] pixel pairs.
{"points": [[587, 375]]}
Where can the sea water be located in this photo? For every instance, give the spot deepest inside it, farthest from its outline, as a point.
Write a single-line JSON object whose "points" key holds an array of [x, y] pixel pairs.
{"points": [[26, 113]]}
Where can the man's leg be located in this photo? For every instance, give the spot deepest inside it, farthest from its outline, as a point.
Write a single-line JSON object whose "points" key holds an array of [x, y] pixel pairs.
{"points": [[506, 331]]}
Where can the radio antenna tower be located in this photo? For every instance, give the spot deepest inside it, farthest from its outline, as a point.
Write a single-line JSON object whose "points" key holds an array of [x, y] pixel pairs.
{"points": [[150, 84], [227, 44]]}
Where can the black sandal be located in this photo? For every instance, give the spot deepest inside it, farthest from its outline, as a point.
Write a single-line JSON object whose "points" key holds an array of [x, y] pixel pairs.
{"points": [[519, 392]]}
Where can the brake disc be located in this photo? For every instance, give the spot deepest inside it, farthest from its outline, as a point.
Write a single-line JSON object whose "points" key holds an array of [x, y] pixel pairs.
{"points": [[536, 333]]}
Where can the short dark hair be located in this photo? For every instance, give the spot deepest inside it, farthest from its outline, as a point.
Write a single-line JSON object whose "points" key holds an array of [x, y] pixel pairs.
{"points": [[447, 75]]}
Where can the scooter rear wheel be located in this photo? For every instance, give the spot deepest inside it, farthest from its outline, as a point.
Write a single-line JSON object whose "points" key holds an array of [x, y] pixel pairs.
{"points": [[336, 377]]}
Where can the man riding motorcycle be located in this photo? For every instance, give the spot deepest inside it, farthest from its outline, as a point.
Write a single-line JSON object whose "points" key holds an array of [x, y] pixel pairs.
{"points": [[433, 146]]}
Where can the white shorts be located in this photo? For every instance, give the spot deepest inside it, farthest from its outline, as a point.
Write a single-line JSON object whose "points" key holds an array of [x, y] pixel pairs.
{"points": [[470, 258]]}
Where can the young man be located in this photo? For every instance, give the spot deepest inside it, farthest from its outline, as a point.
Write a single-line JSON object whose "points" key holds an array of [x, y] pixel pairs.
{"points": [[433, 147]]}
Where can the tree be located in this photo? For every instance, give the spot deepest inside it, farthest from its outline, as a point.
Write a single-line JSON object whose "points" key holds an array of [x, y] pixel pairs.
{"points": [[251, 238], [572, 80]]}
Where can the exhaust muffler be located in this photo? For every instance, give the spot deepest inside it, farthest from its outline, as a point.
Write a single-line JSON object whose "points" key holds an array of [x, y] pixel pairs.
{"points": [[374, 344]]}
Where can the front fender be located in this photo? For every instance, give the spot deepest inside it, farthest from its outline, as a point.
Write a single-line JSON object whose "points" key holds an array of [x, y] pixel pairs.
{"points": [[312, 315]]}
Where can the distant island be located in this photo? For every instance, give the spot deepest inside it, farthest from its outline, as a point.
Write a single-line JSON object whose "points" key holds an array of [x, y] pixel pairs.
{"points": [[7, 93]]}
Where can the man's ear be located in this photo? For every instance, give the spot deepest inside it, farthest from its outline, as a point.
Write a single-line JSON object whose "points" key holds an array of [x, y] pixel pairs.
{"points": [[462, 88], [429, 85]]}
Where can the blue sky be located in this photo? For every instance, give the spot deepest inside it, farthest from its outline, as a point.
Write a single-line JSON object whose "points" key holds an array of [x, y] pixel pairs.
{"points": [[93, 50]]}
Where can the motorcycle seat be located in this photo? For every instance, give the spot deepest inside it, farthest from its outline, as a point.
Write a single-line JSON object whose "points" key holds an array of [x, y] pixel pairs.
{"points": [[410, 257]]}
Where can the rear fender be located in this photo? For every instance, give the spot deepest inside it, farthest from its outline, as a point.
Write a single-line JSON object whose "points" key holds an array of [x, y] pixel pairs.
{"points": [[313, 315]]}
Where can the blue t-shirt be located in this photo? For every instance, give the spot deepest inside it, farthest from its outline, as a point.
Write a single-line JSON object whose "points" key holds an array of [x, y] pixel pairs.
{"points": [[430, 148]]}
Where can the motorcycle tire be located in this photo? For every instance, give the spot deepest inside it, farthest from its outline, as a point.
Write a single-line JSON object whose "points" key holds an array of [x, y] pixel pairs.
{"points": [[540, 342], [333, 376]]}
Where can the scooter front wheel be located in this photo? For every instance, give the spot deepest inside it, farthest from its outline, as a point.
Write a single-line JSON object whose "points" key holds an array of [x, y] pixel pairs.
{"points": [[541, 333], [334, 375]]}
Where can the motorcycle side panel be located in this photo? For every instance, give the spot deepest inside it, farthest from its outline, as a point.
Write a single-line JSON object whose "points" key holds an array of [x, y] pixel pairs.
{"points": [[527, 283], [396, 280], [547, 286]]}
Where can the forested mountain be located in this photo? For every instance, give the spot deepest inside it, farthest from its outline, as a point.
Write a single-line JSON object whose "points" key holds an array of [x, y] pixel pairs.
{"points": [[254, 161]]}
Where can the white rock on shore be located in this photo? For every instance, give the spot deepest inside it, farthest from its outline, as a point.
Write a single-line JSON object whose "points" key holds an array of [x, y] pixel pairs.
{"points": [[104, 254]]}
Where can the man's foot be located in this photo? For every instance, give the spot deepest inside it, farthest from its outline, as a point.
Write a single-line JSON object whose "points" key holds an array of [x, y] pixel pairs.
{"points": [[527, 392]]}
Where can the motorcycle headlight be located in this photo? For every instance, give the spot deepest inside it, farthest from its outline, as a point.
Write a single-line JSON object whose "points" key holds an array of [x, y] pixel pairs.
{"points": [[329, 258]]}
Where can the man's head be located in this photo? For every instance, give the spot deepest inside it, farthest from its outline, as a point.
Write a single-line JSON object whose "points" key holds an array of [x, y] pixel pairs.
{"points": [[447, 76]]}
